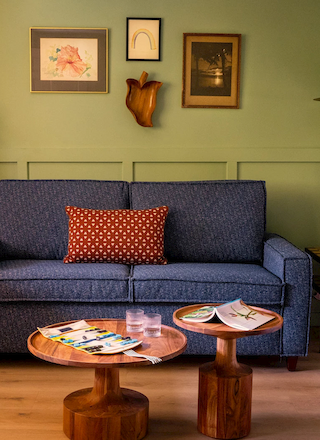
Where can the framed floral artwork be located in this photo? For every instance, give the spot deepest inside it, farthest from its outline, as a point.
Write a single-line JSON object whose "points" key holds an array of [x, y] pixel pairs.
{"points": [[69, 60], [143, 39], [211, 70]]}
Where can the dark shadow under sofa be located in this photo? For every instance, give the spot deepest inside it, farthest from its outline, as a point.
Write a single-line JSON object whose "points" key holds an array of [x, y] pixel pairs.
{"points": [[215, 242]]}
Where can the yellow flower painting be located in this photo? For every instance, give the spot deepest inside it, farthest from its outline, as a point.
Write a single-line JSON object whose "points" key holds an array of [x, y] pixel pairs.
{"points": [[68, 59]]}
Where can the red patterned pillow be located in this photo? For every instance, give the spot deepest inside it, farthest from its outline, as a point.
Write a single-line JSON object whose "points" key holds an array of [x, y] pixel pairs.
{"points": [[116, 236]]}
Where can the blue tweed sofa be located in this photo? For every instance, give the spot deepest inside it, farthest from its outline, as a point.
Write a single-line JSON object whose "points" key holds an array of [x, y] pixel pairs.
{"points": [[215, 242]]}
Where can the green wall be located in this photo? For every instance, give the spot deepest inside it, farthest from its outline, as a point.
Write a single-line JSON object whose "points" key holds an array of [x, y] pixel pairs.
{"points": [[274, 135]]}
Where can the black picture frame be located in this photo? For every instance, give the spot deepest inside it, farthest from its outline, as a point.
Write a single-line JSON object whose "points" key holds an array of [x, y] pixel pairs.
{"points": [[143, 39]]}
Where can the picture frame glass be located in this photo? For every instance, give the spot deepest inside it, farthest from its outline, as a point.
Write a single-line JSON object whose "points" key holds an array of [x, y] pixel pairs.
{"points": [[143, 39], [211, 70], [68, 59]]}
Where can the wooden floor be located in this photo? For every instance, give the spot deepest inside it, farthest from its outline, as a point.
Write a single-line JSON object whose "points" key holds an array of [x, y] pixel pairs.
{"points": [[286, 405]]}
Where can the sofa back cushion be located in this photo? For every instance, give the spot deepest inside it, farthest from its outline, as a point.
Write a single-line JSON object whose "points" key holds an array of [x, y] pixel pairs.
{"points": [[209, 221], [34, 224]]}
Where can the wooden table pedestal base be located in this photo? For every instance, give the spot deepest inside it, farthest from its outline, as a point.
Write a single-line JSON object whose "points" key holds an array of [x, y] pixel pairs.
{"points": [[105, 411], [225, 392]]}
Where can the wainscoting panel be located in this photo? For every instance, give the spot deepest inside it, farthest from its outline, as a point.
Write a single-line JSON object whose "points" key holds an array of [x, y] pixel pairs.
{"points": [[75, 170], [293, 202], [8, 170], [175, 171]]}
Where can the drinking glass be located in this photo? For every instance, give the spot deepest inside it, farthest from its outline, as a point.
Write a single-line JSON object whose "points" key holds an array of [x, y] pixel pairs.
{"points": [[152, 325], [134, 320]]}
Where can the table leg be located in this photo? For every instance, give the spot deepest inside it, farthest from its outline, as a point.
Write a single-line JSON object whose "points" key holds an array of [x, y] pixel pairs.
{"points": [[105, 411], [225, 391]]}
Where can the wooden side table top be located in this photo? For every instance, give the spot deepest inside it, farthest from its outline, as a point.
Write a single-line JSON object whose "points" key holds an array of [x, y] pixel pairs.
{"points": [[171, 343], [223, 331]]}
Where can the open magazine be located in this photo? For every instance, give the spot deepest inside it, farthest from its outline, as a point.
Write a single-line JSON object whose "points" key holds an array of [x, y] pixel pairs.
{"points": [[90, 339], [235, 314]]}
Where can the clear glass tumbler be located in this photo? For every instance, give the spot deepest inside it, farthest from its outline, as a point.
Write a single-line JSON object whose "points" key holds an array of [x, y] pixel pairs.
{"points": [[152, 325], [134, 320]]}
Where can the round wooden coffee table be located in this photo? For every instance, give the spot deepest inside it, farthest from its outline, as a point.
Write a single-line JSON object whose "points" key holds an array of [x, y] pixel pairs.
{"points": [[107, 411], [225, 386]]}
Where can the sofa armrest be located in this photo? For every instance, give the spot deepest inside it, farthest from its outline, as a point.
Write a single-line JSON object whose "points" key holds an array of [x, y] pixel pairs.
{"points": [[294, 268]]}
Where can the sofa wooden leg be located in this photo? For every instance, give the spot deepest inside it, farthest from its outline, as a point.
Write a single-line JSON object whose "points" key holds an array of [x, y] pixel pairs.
{"points": [[292, 363]]}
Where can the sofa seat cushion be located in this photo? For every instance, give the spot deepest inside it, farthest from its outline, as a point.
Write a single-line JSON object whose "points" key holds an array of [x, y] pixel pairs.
{"points": [[51, 280], [207, 282], [209, 221]]}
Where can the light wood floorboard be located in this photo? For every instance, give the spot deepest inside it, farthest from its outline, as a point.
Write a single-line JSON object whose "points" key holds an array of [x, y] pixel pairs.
{"points": [[286, 405]]}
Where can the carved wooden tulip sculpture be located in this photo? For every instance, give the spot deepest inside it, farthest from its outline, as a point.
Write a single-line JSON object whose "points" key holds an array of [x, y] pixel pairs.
{"points": [[142, 98]]}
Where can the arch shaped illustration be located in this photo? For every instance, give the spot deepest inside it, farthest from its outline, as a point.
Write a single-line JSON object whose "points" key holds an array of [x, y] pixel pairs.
{"points": [[148, 34]]}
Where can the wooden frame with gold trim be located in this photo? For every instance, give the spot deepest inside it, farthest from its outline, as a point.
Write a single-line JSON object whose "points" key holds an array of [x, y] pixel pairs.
{"points": [[211, 70]]}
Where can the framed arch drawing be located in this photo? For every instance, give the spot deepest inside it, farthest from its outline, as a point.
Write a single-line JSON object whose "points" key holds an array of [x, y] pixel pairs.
{"points": [[143, 39]]}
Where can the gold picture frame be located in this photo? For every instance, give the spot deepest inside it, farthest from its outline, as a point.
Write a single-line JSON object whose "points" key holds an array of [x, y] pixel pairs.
{"points": [[68, 60], [211, 70]]}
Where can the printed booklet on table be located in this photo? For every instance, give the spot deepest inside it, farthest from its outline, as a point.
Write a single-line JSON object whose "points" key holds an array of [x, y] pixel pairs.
{"points": [[90, 339], [235, 314]]}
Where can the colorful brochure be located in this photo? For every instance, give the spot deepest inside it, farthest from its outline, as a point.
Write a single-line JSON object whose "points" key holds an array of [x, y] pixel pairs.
{"points": [[90, 339]]}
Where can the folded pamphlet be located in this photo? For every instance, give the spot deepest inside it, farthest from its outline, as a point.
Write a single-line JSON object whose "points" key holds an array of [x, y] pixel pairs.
{"points": [[90, 339], [235, 314]]}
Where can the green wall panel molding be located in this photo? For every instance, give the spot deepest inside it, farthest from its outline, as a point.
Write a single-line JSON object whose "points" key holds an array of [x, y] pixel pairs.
{"points": [[8, 170], [175, 171], [76, 170], [293, 202]]}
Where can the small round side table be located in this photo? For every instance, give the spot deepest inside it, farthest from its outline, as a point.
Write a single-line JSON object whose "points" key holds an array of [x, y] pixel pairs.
{"points": [[225, 386], [107, 411]]}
